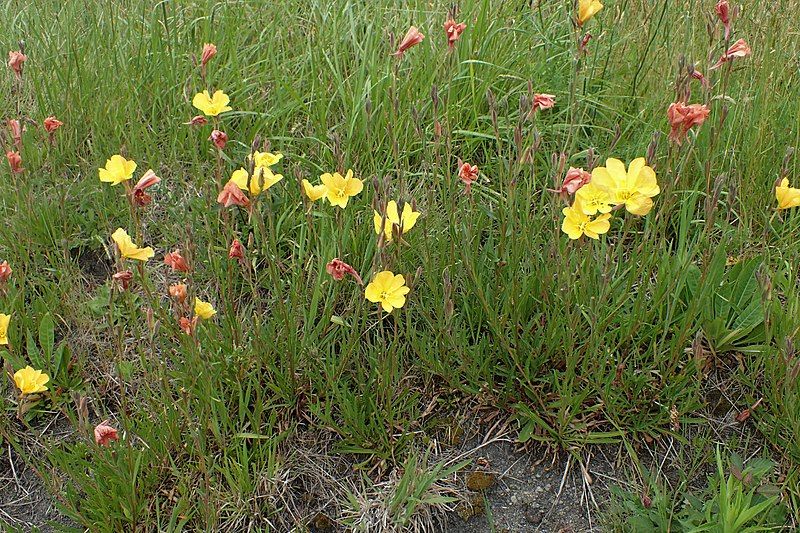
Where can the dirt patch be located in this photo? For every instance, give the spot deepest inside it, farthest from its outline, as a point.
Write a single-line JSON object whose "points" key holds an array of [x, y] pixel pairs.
{"points": [[531, 491], [24, 501]]}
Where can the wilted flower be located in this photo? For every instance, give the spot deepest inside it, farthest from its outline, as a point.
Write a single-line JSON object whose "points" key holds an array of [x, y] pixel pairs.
{"points": [[203, 309], [51, 124], [453, 31], [236, 250], [5, 272], [787, 197], [188, 326], [212, 106], [738, 49], [209, 51], [577, 223], [412, 38], [683, 117], [543, 101], [5, 320], [16, 131], [314, 192], [696, 74], [634, 189], [129, 250], [148, 180], [15, 61], [338, 269], [388, 290], [231, 194], [105, 434], [117, 170], [468, 174], [175, 260], [178, 291], [15, 162], [587, 9], [30, 381], [262, 179], [198, 120], [339, 189], [124, 278], [723, 10], [404, 222], [219, 138], [574, 180]]}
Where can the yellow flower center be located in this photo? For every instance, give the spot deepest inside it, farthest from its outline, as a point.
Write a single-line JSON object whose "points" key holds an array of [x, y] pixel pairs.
{"points": [[340, 193], [625, 195], [384, 295]]}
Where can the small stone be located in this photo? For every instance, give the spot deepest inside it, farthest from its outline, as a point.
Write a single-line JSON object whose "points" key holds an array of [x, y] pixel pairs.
{"points": [[533, 515]]}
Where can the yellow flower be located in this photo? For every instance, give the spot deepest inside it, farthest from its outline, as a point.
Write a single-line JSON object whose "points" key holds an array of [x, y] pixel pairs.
{"points": [[117, 170], [408, 220], [634, 188], [4, 321], [203, 309], [262, 179], [388, 290], [340, 189], [314, 192], [128, 249], [30, 381], [577, 222], [587, 9], [212, 106], [594, 199], [787, 197], [265, 159]]}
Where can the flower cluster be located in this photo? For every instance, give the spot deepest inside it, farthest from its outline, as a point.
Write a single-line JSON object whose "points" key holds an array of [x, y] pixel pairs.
{"points": [[610, 187]]}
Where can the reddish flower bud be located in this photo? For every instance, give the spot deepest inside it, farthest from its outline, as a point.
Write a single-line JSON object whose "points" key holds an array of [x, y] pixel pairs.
{"points": [[543, 101], [209, 51], [16, 131], [188, 326], [51, 124], [176, 261], [178, 291], [412, 38], [123, 278], [723, 10], [231, 194], [236, 251], [683, 117], [5, 272], [468, 174], [453, 31], [15, 161], [338, 269], [105, 434], [574, 180], [737, 50], [198, 120], [15, 61], [219, 138]]}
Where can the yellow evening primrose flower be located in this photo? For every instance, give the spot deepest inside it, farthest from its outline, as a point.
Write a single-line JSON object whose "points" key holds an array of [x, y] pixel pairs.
{"points": [[314, 192], [388, 290], [340, 189], [265, 159], [4, 321], [262, 179], [634, 188], [128, 249], [30, 381], [787, 197], [406, 221], [587, 9], [594, 199], [212, 105], [203, 309], [577, 223], [117, 170]]}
